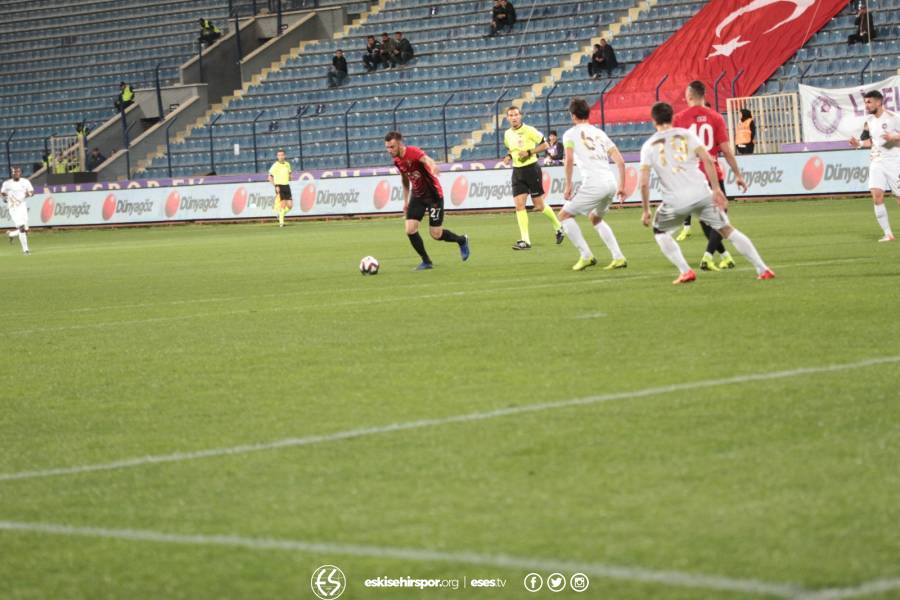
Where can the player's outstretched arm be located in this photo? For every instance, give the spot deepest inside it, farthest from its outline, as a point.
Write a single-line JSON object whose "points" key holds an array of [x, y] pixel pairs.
{"points": [[568, 167], [645, 195], [710, 169], [725, 147], [619, 161], [405, 181], [431, 166]]}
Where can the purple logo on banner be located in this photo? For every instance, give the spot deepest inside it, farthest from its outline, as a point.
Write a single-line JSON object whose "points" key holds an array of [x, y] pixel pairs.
{"points": [[826, 114]]}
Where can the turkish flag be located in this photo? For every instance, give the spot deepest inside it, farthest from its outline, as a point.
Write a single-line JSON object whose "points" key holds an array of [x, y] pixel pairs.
{"points": [[750, 37]]}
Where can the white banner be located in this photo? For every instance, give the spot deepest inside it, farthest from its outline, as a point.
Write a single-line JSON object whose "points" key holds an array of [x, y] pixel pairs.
{"points": [[794, 174], [839, 114]]}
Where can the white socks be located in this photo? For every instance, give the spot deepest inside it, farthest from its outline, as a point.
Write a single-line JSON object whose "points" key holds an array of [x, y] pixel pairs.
{"points": [[672, 251], [23, 239], [573, 232], [609, 238], [13, 233], [746, 247], [882, 217]]}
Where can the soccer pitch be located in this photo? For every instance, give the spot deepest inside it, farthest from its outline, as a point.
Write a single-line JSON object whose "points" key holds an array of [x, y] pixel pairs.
{"points": [[214, 411]]}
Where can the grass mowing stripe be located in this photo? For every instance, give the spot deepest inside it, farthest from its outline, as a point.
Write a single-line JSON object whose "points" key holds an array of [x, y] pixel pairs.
{"points": [[362, 301], [469, 417], [632, 574], [876, 586]]}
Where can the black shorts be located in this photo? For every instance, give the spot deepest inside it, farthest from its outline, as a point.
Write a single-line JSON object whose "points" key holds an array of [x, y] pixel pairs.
{"points": [[527, 180], [433, 206], [284, 191]]}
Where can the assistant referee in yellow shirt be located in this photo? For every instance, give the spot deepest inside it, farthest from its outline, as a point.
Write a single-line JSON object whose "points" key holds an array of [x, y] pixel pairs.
{"points": [[280, 176], [524, 143]]}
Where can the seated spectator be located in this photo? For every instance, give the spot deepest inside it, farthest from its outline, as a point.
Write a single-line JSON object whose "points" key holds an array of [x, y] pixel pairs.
{"points": [[865, 28], [95, 159], [209, 33], [745, 136], [372, 55], [337, 72], [125, 98], [404, 52], [596, 62], [555, 152], [603, 59], [388, 51], [503, 16]]}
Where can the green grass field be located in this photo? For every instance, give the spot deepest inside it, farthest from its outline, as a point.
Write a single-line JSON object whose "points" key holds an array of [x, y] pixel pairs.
{"points": [[728, 439]]}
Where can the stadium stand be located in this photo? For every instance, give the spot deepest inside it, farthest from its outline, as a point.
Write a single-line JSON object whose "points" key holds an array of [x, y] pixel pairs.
{"points": [[828, 61], [633, 43], [453, 56], [62, 70], [457, 69]]}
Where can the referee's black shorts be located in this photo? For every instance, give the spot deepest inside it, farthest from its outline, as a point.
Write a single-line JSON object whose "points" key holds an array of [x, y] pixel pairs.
{"points": [[284, 191], [527, 180]]}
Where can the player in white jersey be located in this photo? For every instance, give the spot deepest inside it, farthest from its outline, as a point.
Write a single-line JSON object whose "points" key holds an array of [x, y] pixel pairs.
{"points": [[14, 192], [590, 148], [675, 154], [884, 170]]}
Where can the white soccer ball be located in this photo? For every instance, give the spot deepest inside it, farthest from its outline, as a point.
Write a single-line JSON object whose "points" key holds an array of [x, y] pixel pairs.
{"points": [[369, 265]]}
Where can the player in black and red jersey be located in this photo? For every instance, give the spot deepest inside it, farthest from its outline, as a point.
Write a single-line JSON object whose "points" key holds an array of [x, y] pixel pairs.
{"points": [[709, 126], [421, 173]]}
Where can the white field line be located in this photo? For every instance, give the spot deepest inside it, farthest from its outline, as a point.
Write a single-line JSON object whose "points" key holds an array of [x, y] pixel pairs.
{"points": [[877, 586], [631, 574], [362, 301], [176, 457]]}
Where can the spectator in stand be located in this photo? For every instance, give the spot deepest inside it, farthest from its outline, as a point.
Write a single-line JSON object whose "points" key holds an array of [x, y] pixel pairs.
{"points": [[372, 55], [865, 28], [82, 130], [125, 98], [603, 59], [596, 62], [404, 52], [388, 51], [59, 164], [745, 136], [95, 159], [209, 33], [337, 72], [555, 152], [503, 16]]}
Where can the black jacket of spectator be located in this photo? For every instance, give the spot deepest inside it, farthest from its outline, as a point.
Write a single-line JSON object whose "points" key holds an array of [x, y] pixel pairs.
{"points": [[340, 64], [404, 50], [372, 55], [865, 28], [94, 160], [503, 16], [510, 12], [388, 51]]}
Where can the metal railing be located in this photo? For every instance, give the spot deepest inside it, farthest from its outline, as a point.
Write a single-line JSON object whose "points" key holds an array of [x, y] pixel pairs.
{"points": [[777, 120]]}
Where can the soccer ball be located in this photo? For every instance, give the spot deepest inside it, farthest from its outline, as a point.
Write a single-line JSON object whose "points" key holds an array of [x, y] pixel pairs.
{"points": [[369, 265]]}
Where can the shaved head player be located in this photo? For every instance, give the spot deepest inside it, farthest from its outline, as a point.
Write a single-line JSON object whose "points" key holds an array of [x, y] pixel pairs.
{"points": [[422, 194]]}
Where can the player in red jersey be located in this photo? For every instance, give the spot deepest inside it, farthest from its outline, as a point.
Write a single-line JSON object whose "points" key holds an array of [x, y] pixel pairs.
{"points": [[709, 126], [421, 173]]}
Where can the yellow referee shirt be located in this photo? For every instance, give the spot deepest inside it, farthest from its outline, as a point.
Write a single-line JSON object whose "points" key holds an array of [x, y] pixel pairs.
{"points": [[524, 138], [281, 172]]}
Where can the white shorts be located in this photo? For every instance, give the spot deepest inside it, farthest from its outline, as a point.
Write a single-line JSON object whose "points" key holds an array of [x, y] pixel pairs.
{"points": [[592, 196], [669, 217], [19, 215], [885, 175]]}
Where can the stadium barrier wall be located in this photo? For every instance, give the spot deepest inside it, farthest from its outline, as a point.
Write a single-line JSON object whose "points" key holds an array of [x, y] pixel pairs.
{"points": [[467, 186]]}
